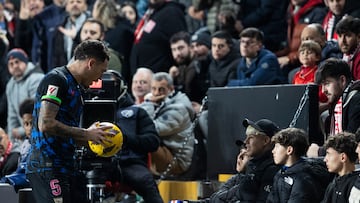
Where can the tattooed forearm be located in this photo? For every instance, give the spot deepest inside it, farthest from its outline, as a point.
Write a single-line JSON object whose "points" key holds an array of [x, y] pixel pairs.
{"points": [[47, 123]]}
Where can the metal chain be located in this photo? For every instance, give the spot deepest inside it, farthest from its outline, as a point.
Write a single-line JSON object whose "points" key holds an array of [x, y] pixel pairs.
{"points": [[302, 103]]}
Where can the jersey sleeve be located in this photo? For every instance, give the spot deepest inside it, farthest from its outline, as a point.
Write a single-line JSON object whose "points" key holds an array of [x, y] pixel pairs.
{"points": [[53, 89]]}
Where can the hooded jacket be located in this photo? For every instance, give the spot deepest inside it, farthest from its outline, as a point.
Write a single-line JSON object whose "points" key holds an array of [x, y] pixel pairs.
{"points": [[298, 183], [339, 189], [17, 90]]}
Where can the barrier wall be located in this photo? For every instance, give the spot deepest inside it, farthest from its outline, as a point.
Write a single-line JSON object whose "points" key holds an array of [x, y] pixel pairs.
{"points": [[229, 106]]}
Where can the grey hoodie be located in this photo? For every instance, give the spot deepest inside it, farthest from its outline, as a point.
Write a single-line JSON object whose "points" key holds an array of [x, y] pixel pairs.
{"points": [[17, 90]]}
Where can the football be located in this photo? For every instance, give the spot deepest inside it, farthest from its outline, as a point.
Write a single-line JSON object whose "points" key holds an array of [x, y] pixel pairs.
{"points": [[109, 148]]}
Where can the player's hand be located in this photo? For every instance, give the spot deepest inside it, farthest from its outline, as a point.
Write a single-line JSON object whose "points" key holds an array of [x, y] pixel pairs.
{"points": [[96, 133]]}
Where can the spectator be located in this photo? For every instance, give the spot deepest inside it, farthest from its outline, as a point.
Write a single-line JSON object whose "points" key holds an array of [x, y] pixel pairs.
{"points": [[302, 12], [241, 162], [172, 114], [340, 159], [267, 16], [201, 44], [9, 157], [25, 78], [258, 66], [224, 59], [151, 46], [45, 25], [315, 32], [55, 133], [25, 23], [67, 36], [18, 178], [183, 73], [140, 138], [355, 191], [208, 11], [141, 5], [201, 48], [348, 31], [4, 78], [329, 49], [227, 22], [334, 76], [128, 9], [118, 32], [253, 183], [337, 10], [141, 84], [309, 55], [93, 29], [295, 181]]}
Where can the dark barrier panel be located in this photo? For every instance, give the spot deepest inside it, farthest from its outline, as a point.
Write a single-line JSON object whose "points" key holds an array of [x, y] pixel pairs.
{"points": [[229, 106], [98, 110]]}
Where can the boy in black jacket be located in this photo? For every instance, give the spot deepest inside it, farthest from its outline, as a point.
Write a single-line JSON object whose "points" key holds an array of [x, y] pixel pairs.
{"points": [[295, 181], [340, 159]]}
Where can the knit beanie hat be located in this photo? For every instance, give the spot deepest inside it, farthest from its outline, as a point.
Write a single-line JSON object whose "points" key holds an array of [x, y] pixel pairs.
{"points": [[17, 53], [202, 38]]}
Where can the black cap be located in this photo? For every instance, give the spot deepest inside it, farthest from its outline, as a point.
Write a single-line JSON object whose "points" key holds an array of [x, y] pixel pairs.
{"points": [[265, 126]]}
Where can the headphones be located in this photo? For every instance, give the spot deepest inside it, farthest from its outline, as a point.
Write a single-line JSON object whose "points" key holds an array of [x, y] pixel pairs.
{"points": [[123, 87]]}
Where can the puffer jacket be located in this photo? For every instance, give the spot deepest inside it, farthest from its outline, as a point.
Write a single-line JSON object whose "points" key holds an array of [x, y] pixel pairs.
{"points": [[173, 122]]}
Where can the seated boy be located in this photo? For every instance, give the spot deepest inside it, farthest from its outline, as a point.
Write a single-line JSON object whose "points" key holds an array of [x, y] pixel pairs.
{"points": [[340, 159], [355, 191], [18, 178], [295, 181]]}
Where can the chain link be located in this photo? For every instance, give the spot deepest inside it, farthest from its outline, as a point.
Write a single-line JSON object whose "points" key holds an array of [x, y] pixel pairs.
{"points": [[302, 103]]}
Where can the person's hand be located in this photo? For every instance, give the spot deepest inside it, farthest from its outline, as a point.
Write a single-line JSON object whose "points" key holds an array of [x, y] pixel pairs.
{"points": [[16, 134], [283, 61], [96, 133], [69, 32], [154, 99], [239, 26], [24, 12], [242, 160], [197, 15], [196, 106], [174, 71], [313, 151]]}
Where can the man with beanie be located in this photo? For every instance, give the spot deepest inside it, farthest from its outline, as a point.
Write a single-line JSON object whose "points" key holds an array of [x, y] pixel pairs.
{"points": [[25, 78], [255, 166], [201, 44], [201, 48]]}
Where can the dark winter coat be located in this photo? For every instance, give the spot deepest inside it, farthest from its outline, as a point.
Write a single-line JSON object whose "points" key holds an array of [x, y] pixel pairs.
{"points": [[153, 49], [297, 183], [339, 189], [252, 186]]}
